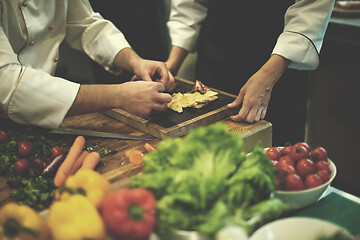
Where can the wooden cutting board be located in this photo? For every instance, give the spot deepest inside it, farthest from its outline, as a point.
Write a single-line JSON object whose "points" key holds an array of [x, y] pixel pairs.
{"points": [[174, 124]]}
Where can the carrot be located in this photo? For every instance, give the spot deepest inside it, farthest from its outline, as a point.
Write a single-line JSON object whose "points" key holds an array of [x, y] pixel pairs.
{"points": [[91, 161], [128, 153], [136, 157], [67, 166], [148, 147], [79, 162]]}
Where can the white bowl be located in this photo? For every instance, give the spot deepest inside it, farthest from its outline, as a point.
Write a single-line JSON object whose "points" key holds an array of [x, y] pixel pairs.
{"points": [[297, 228], [303, 198], [182, 235]]}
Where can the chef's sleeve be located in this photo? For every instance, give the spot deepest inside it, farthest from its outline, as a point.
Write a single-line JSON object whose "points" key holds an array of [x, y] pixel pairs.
{"points": [[305, 26], [89, 32], [31, 96], [186, 17]]}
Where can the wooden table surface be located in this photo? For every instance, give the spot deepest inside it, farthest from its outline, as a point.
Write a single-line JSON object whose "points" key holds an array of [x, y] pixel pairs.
{"points": [[116, 167]]}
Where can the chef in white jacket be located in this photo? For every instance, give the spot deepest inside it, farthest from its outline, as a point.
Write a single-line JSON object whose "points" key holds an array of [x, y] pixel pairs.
{"points": [[258, 50], [30, 34]]}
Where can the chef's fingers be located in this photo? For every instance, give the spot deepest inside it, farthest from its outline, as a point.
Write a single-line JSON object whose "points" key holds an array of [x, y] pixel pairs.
{"points": [[258, 114], [162, 98], [159, 87], [252, 114], [167, 79], [161, 75], [241, 116], [134, 78], [263, 113], [170, 85], [237, 101], [159, 107]]}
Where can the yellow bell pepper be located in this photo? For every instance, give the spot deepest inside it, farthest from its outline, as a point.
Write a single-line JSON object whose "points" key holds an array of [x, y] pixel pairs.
{"points": [[20, 222], [75, 218], [89, 183]]}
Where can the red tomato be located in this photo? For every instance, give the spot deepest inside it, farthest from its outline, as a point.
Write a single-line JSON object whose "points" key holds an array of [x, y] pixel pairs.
{"points": [[285, 150], [304, 144], [298, 152], [324, 175], [3, 137], [305, 167], [287, 168], [322, 165], [318, 153], [280, 180], [284, 170], [56, 151], [22, 166], [293, 182], [273, 153], [25, 148], [286, 160], [312, 180]]}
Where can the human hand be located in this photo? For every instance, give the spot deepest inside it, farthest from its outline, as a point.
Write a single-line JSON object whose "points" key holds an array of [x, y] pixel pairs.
{"points": [[144, 97], [154, 71], [255, 94]]}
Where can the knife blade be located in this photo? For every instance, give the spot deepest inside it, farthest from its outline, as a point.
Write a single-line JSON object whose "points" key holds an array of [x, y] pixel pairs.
{"points": [[90, 133]]}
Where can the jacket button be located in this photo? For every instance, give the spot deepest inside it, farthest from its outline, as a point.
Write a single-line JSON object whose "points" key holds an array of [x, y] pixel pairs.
{"points": [[56, 59], [31, 43], [24, 4]]}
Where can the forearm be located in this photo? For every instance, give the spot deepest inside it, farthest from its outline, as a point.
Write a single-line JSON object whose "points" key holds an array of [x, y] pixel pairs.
{"points": [[274, 68], [94, 98], [176, 58], [126, 60], [136, 97]]}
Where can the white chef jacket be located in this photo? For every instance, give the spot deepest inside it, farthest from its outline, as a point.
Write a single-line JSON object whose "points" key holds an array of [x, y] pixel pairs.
{"points": [[301, 40], [30, 34]]}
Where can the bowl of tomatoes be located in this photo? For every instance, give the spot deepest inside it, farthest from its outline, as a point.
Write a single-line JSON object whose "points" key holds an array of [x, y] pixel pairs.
{"points": [[303, 173]]}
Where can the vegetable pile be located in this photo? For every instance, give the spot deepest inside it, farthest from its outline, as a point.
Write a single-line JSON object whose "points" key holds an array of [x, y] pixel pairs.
{"points": [[30, 161], [299, 166], [87, 208], [205, 180], [25, 158]]}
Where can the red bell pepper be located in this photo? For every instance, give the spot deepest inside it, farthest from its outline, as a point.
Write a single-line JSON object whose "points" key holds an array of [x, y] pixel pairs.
{"points": [[129, 213]]}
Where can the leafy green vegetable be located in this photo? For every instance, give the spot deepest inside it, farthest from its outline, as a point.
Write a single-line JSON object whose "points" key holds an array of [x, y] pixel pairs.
{"points": [[260, 213], [205, 180], [36, 192]]}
